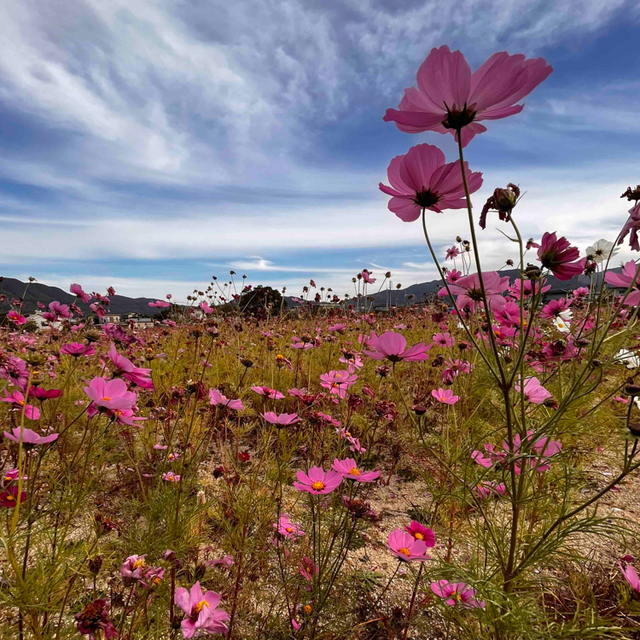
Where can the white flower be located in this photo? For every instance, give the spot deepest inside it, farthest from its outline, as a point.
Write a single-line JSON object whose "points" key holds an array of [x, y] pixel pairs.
{"points": [[566, 315], [602, 250], [561, 325], [627, 358]]}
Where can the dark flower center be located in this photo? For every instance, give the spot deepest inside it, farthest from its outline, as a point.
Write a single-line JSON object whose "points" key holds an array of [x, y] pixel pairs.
{"points": [[475, 294], [425, 199], [456, 119]]}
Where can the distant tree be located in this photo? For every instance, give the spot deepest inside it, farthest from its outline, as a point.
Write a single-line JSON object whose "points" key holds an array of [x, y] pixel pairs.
{"points": [[261, 302]]}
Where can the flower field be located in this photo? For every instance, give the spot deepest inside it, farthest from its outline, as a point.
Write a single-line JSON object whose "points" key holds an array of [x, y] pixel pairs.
{"points": [[462, 467]]}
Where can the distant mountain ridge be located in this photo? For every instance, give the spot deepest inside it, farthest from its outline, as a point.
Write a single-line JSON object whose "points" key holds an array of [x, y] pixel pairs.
{"points": [[38, 292]]}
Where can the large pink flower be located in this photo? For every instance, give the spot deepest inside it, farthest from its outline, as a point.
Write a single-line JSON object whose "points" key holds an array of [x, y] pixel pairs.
{"points": [[112, 394], [393, 347], [421, 179], [469, 293], [449, 98], [534, 392], [318, 481], [560, 257], [29, 437], [405, 546], [624, 280], [138, 375], [202, 611]]}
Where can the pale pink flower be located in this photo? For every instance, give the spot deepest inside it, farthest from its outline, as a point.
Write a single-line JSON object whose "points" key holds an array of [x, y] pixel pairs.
{"points": [[457, 594], [112, 394], [269, 393], [631, 576], [533, 391], [202, 611], [217, 398], [350, 471], [445, 396], [392, 346], [469, 293], [282, 419], [288, 529], [628, 276]]}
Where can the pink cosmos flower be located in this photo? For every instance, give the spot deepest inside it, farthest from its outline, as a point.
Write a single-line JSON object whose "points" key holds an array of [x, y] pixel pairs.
{"points": [[420, 532], [452, 252], [206, 308], [486, 489], [453, 276], [133, 568], [217, 398], [631, 576], [406, 547], [60, 310], [349, 470], [469, 293], [457, 594], [444, 339], [17, 399], [76, 289], [17, 318], [528, 287], [282, 419], [338, 382], [286, 528], [112, 394], [445, 396], [366, 276], [202, 611], [632, 225], [9, 497], [77, 349], [161, 304], [138, 375], [170, 476], [29, 438], [317, 481], [44, 394], [450, 99], [340, 327], [269, 393], [421, 179], [560, 257], [534, 392], [628, 276], [392, 346]]}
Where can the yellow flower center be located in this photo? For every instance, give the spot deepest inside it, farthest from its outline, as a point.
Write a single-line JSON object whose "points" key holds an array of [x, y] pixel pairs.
{"points": [[307, 609], [21, 403], [289, 529], [354, 472], [201, 605], [418, 536], [9, 497], [404, 551], [106, 399], [317, 486], [138, 563]]}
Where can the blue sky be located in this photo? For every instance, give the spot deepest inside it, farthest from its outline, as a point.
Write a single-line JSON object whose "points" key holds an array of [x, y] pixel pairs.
{"points": [[151, 144]]}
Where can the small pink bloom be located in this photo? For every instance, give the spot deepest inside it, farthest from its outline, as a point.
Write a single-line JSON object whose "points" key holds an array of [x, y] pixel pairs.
{"points": [[445, 396], [17, 318], [288, 529], [560, 257], [420, 532], [406, 547], [29, 437], [201, 610], [393, 347], [217, 398], [533, 391], [282, 419], [457, 594], [76, 289], [631, 576], [269, 393], [317, 481], [350, 471]]}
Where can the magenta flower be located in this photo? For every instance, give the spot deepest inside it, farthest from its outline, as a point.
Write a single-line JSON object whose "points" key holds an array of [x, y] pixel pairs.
{"points": [[486, 489], [317, 481], [366, 276], [76, 349], [338, 382], [202, 611], [456, 594], [452, 252], [469, 294], [421, 179], [217, 398], [161, 304], [450, 99], [139, 376], [444, 339], [445, 396], [533, 391], [406, 547], [628, 276], [269, 393], [9, 497], [17, 400], [349, 470], [133, 568], [420, 532], [632, 225], [392, 346], [76, 289], [286, 528], [282, 419], [631, 576], [59, 310], [170, 476], [29, 438], [560, 257], [110, 395], [94, 621], [205, 307], [16, 317]]}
